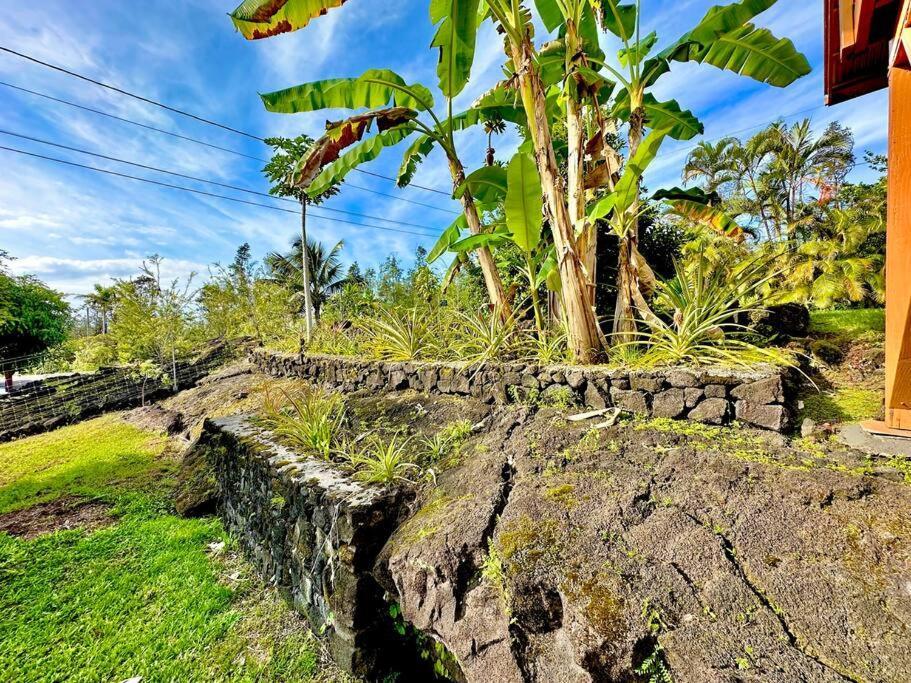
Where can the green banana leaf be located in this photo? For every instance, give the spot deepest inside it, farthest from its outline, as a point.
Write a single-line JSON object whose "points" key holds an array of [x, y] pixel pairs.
{"points": [[665, 116], [373, 89], [701, 208], [415, 154], [487, 185], [449, 237], [455, 39], [523, 204]]}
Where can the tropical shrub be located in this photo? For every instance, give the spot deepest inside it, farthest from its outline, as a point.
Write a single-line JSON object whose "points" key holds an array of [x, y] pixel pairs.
{"points": [[701, 325], [384, 461]]}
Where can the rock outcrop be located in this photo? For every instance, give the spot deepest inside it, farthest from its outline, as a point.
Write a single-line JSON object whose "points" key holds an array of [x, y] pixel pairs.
{"points": [[545, 550]]}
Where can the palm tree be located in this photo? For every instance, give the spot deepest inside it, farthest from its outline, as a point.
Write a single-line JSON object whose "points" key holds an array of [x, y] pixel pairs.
{"points": [[713, 164], [326, 273], [799, 161], [102, 300], [835, 266]]}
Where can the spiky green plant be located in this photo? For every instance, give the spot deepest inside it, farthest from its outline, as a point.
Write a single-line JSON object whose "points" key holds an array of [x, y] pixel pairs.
{"points": [[704, 304], [309, 418], [548, 348], [384, 461], [482, 337], [399, 335]]}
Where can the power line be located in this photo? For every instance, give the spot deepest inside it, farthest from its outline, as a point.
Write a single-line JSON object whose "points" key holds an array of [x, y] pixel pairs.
{"points": [[130, 121], [203, 180], [122, 119], [130, 94], [207, 194], [182, 112]]}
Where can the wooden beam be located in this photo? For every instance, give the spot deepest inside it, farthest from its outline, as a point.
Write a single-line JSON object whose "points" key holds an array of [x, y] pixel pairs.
{"points": [[898, 254], [863, 20], [846, 24]]}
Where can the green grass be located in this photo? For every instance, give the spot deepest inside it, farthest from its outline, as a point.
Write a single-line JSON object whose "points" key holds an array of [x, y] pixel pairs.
{"points": [[843, 405], [143, 597], [98, 458], [849, 323]]}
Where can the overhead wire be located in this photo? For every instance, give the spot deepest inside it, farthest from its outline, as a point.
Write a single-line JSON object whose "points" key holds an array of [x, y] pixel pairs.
{"points": [[179, 111], [207, 194], [197, 141], [203, 180]]}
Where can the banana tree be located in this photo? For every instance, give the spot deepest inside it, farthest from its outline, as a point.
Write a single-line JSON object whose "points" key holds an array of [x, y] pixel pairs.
{"points": [[399, 111], [724, 38], [517, 189]]}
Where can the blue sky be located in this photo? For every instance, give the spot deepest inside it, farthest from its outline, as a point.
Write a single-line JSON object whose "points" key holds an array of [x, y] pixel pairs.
{"points": [[73, 227]]}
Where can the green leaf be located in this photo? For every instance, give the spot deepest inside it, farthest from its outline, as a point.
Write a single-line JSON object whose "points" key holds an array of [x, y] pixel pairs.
{"points": [[665, 116], [523, 203], [550, 13], [455, 38], [487, 185], [361, 153], [756, 53], [415, 154], [447, 239], [722, 19], [500, 102], [484, 239], [627, 189], [548, 268], [374, 88], [638, 51], [619, 19], [699, 207], [257, 19]]}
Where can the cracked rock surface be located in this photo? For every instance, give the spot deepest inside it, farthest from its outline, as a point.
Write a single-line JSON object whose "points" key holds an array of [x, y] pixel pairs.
{"points": [[554, 553]]}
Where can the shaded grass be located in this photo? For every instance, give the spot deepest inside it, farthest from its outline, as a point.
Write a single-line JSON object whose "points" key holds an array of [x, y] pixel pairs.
{"points": [[97, 458], [146, 597], [848, 324], [843, 405]]}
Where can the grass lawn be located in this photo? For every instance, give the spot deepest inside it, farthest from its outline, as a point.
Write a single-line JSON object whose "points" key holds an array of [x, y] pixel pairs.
{"points": [[849, 323], [151, 595]]}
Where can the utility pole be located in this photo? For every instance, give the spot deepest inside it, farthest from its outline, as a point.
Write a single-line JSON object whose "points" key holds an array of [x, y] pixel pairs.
{"points": [[305, 270]]}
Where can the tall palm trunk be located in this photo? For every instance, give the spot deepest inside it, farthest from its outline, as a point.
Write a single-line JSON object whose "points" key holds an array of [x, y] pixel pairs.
{"points": [[492, 280], [581, 326]]}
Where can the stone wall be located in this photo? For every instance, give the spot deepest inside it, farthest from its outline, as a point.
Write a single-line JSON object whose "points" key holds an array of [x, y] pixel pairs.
{"points": [[314, 532], [761, 398]]}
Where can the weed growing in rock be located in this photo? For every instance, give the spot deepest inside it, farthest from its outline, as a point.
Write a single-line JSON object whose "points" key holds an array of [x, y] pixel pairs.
{"points": [[493, 572], [654, 668], [308, 418], [384, 462]]}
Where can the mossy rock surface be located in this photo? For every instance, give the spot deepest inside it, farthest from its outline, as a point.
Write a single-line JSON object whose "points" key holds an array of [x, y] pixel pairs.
{"points": [[559, 555]]}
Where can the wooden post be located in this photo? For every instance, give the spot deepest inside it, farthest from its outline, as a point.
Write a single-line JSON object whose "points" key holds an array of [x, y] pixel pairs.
{"points": [[898, 254]]}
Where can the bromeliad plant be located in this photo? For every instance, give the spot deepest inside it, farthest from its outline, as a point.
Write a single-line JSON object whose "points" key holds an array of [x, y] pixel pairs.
{"points": [[310, 418], [704, 304]]}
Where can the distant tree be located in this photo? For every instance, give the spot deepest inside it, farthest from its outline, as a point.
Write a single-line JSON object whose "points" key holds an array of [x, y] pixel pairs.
{"points": [[280, 172], [33, 317], [101, 299], [324, 266]]}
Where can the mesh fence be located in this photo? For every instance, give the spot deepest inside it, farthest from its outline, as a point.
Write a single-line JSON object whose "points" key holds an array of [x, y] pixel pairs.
{"points": [[55, 401]]}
